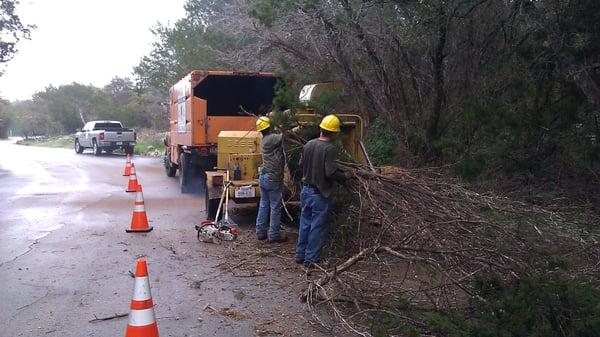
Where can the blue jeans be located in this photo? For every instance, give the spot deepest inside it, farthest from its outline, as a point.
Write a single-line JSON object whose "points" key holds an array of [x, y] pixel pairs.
{"points": [[269, 207], [313, 225]]}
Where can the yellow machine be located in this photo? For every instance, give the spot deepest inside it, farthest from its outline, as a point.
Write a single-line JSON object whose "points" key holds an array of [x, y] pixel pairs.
{"points": [[352, 124], [238, 162], [239, 156]]}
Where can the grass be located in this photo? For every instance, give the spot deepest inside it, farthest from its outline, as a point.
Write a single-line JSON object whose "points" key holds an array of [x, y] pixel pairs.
{"points": [[149, 143], [149, 148], [56, 142]]}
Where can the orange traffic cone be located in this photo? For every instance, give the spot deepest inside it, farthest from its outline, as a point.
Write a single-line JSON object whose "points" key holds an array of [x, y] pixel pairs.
{"points": [[139, 220], [127, 171], [133, 183], [142, 322]]}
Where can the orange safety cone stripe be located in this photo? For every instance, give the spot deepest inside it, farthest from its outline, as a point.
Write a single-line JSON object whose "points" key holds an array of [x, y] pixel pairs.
{"points": [[142, 331], [140, 305]]}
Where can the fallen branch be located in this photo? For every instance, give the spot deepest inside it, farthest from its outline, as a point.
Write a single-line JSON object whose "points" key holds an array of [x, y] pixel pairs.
{"points": [[102, 319], [421, 238]]}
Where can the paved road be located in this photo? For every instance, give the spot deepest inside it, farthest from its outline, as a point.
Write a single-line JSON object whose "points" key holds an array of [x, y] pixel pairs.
{"points": [[65, 257]]}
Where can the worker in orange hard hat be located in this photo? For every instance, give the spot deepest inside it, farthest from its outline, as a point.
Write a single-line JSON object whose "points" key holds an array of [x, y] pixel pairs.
{"points": [[270, 182], [318, 175]]}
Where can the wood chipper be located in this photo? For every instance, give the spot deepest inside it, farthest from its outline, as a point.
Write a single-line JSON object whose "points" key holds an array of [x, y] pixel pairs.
{"points": [[236, 177], [239, 155]]}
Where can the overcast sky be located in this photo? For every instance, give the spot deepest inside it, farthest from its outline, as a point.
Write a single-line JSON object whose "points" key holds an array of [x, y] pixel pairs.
{"points": [[85, 41]]}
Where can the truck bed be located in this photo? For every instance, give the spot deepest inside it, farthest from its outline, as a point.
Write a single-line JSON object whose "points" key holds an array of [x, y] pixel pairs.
{"points": [[207, 102]]}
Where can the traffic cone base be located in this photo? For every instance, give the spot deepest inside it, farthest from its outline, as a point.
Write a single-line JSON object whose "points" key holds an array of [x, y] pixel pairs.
{"points": [[141, 331], [145, 230], [139, 220]]}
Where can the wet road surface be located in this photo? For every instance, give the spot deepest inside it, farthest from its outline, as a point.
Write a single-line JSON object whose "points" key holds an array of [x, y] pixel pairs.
{"points": [[65, 257]]}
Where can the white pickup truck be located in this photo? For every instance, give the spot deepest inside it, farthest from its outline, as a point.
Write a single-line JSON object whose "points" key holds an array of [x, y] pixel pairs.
{"points": [[104, 135]]}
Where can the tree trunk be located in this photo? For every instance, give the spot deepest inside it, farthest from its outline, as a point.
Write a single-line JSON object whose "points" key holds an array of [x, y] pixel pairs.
{"points": [[437, 60]]}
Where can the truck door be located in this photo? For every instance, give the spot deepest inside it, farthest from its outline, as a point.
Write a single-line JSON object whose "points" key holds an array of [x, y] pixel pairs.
{"points": [[87, 131]]}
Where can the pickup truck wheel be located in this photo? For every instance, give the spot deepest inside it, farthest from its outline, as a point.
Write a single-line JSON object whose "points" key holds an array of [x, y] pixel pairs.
{"points": [[96, 149], [78, 147], [169, 169], [185, 173], [128, 150]]}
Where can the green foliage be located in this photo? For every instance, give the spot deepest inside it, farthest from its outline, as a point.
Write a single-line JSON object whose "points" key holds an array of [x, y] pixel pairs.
{"points": [[385, 324], [282, 121], [286, 95], [544, 305], [343, 232], [449, 146], [199, 41], [381, 142], [12, 30], [149, 148], [268, 11], [176, 51], [446, 325], [149, 143], [60, 110], [55, 142], [472, 166], [326, 102]]}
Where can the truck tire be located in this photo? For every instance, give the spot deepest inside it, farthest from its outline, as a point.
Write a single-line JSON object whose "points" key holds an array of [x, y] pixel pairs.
{"points": [[78, 147], [211, 206], [96, 149], [185, 173], [128, 150], [169, 169]]}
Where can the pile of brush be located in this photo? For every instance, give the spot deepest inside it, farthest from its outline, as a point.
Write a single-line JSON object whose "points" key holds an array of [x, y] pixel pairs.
{"points": [[421, 240]]}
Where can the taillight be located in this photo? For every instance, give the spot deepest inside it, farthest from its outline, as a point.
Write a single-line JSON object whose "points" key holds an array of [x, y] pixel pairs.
{"points": [[101, 135], [218, 181], [135, 136]]}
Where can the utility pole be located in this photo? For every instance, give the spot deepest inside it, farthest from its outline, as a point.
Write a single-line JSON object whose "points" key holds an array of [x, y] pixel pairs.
{"points": [[81, 115]]}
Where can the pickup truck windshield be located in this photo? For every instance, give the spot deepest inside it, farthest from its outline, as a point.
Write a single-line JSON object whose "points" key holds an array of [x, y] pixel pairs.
{"points": [[232, 95], [107, 126]]}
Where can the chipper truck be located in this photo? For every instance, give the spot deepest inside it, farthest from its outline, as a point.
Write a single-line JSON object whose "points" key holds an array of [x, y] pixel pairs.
{"points": [[211, 139], [203, 104]]}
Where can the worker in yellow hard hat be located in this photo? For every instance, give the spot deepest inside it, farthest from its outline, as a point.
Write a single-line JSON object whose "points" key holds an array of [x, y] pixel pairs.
{"points": [[270, 183], [318, 175]]}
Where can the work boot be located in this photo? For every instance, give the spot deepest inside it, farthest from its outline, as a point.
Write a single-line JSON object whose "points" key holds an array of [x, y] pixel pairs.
{"points": [[280, 239], [261, 237]]}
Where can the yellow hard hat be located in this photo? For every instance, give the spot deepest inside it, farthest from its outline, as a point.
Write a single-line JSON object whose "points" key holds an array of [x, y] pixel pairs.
{"points": [[263, 123], [331, 123]]}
